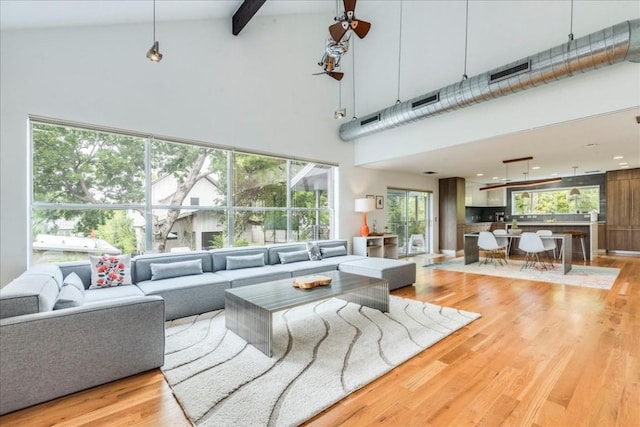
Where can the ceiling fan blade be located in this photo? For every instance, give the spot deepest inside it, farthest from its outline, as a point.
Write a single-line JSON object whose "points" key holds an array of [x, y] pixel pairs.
{"points": [[361, 28], [349, 5], [336, 75], [337, 31]]}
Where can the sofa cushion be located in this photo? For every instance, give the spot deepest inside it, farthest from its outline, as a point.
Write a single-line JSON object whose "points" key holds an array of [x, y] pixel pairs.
{"points": [[73, 279], [274, 251], [69, 296], [168, 270], [219, 256], [141, 268], [245, 261], [34, 291], [110, 270], [294, 256], [331, 252], [114, 292], [252, 276]]}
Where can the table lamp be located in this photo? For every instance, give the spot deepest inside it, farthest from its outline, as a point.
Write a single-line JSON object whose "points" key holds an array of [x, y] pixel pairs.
{"points": [[364, 206]]}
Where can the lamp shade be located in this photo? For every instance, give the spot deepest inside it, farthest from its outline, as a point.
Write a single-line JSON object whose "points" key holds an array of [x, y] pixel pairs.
{"points": [[365, 205], [574, 192]]}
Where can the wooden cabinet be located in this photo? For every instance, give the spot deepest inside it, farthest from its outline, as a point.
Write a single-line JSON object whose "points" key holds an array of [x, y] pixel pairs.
{"points": [[623, 210], [376, 246]]}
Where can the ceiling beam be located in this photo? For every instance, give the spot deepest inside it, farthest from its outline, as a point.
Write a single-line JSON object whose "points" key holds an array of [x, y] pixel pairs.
{"points": [[243, 15]]}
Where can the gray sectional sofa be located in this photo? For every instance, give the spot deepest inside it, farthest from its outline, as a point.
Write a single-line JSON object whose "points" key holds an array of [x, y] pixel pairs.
{"points": [[51, 346]]}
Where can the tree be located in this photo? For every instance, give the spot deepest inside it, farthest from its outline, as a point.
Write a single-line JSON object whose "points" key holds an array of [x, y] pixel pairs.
{"points": [[119, 232]]}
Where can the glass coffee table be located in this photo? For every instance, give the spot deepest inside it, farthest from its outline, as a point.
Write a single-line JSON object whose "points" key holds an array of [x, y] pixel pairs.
{"points": [[249, 309]]}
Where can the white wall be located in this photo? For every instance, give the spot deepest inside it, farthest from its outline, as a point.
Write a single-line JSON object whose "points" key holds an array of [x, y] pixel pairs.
{"points": [[254, 92], [500, 32]]}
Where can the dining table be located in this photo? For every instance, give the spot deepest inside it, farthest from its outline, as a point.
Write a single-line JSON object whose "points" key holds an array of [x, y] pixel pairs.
{"points": [[472, 252]]}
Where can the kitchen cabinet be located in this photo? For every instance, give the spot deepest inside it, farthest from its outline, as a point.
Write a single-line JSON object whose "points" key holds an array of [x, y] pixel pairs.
{"points": [[451, 208], [385, 246], [474, 197], [623, 210]]}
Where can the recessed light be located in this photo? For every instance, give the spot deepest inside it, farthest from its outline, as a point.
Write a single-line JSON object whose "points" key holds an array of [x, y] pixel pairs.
{"points": [[495, 177], [624, 167], [430, 172], [623, 163], [591, 145], [618, 157], [535, 168], [479, 174], [554, 174]]}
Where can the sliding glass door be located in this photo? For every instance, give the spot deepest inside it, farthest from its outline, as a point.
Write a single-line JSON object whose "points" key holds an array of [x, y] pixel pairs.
{"points": [[409, 216]]}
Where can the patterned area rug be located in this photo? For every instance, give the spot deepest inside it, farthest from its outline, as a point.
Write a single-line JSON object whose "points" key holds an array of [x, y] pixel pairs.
{"points": [[580, 275], [322, 352]]}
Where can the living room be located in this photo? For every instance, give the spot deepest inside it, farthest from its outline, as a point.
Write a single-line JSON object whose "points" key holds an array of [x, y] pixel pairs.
{"points": [[255, 91]]}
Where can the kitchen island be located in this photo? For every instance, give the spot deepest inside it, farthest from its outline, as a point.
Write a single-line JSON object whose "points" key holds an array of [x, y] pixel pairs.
{"points": [[589, 229]]}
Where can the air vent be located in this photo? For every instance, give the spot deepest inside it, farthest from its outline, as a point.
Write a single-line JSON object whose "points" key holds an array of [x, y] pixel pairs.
{"points": [[371, 119], [523, 67], [430, 173], [426, 101], [592, 172]]}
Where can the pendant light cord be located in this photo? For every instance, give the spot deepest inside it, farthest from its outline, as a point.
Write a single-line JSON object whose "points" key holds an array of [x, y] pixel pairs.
{"points": [[154, 21], [466, 35], [399, 52], [353, 75], [571, 23]]}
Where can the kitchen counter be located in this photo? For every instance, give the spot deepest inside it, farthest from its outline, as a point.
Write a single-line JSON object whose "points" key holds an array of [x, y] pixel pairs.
{"points": [[590, 230]]}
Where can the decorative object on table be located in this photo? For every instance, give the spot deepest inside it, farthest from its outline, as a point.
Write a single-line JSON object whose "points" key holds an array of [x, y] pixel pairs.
{"points": [[514, 228], [379, 202], [309, 282], [216, 376], [364, 206]]}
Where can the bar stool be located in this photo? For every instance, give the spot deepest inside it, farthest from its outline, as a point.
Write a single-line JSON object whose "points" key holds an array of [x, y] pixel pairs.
{"points": [[578, 235]]}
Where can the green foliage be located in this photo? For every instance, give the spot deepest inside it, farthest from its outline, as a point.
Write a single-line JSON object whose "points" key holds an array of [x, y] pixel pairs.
{"points": [[119, 232]]}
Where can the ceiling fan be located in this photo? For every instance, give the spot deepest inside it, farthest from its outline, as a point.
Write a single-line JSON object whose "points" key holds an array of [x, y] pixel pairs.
{"points": [[348, 21], [331, 58]]}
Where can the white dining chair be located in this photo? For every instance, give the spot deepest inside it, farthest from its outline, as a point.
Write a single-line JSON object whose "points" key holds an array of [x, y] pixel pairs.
{"points": [[502, 237], [534, 250], [492, 250], [549, 244]]}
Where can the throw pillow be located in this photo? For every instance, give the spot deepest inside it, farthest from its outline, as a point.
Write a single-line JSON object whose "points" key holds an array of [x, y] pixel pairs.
{"points": [[110, 270], [314, 251], [293, 256], [73, 279], [335, 251], [69, 296], [245, 261], [176, 269]]}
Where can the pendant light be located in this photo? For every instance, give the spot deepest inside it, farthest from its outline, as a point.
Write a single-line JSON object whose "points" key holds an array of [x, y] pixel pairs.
{"points": [[154, 53], [574, 191], [526, 194]]}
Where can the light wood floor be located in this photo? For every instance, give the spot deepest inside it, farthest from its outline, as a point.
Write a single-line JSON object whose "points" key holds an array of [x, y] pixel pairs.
{"points": [[540, 355]]}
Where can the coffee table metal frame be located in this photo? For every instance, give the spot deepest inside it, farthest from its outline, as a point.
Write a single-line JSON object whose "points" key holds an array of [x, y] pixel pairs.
{"points": [[249, 309]]}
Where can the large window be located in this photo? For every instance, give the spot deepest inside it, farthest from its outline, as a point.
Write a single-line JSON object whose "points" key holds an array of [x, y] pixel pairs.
{"points": [[105, 192], [556, 201]]}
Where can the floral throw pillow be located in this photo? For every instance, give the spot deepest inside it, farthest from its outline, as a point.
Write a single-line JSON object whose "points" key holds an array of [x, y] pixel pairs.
{"points": [[110, 270]]}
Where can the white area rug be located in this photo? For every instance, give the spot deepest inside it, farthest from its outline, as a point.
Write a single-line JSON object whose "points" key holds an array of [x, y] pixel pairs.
{"points": [[579, 275], [322, 352]]}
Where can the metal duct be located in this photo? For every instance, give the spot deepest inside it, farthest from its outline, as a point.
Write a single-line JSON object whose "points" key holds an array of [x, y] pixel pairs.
{"points": [[602, 48]]}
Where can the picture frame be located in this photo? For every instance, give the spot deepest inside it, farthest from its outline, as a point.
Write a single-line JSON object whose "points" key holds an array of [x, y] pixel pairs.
{"points": [[379, 202]]}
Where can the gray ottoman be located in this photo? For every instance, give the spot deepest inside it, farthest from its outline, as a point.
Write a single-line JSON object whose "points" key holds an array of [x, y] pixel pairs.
{"points": [[398, 273]]}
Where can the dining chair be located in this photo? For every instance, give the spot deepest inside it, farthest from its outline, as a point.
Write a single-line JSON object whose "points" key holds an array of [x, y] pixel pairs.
{"points": [[493, 251], [502, 237], [549, 244], [531, 244]]}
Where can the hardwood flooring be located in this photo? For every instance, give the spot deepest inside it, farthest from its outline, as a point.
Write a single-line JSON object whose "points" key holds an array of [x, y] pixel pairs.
{"points": [[540, 355]]}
